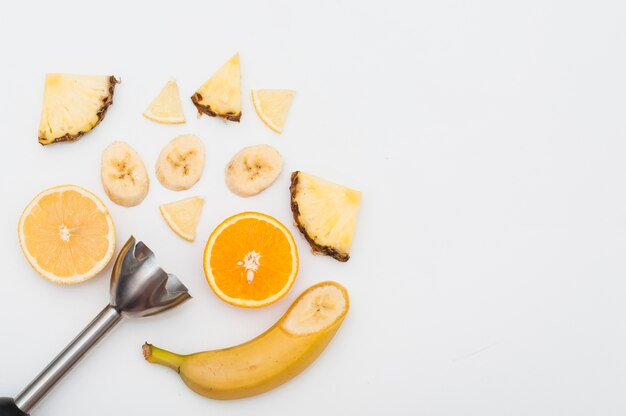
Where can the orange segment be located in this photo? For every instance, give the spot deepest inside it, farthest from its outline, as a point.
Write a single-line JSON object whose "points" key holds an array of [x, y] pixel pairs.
{"points": [[183, 216], [166, 107], [251, 260], [67, 234], [272, 107]]}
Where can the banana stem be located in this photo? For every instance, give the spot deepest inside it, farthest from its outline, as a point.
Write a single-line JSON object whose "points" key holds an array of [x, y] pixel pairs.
{"points": [[157, 355]]}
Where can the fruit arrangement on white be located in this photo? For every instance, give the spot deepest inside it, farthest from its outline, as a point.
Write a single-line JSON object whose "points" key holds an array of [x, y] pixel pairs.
{"points": [[250, 260]]}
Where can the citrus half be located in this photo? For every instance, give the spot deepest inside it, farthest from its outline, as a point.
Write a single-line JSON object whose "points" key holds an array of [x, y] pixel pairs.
{"points": [[67, 234], [251, 260]]}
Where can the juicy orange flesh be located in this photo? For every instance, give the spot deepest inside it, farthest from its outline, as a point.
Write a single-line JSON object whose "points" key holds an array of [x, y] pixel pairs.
{"points": [[71, 215], [241, 238]]}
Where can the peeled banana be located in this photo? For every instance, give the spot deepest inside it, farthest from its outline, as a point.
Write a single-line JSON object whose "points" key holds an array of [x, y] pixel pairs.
{"points": [[253, 169], [269, 360], [181, 162], [123, 175]]}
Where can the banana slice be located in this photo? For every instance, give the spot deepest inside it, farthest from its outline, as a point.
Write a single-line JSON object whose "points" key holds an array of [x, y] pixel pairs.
{"points": [[181, 162], [253, 169], [124, 176]]}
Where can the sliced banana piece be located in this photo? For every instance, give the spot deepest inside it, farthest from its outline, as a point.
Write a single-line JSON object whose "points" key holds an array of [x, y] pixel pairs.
{"points": [[181, 163], [253, 169], [124, 176]]}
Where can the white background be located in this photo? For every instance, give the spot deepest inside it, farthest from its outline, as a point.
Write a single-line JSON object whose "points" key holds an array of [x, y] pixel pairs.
{"points": [[488, 271]]}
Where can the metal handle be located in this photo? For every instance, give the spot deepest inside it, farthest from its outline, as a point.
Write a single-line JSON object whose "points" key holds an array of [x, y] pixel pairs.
{"points": [[67, 359]]}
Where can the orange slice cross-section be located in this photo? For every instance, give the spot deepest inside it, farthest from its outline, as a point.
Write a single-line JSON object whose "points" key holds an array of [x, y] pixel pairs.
{"points": [[251, 260], [67, 234]]}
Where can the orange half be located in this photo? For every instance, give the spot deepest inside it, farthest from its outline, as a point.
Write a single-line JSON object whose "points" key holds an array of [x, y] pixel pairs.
{"points": [[251, 260], [67, 234]]}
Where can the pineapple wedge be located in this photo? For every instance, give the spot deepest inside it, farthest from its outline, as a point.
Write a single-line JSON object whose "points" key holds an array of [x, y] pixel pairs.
{"points": [[73, 105], [325, 213], [221, 94]]}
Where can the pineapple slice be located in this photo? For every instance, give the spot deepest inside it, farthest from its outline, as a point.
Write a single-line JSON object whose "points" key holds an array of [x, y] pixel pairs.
{"points": [[221, 94], [166, 107], [325, 213], [272, 106], [73, 105]]}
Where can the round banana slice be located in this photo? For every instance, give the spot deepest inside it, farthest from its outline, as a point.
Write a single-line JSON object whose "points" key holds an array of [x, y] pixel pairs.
{"points": [[124, 176], [253, 169], [181, 163]]}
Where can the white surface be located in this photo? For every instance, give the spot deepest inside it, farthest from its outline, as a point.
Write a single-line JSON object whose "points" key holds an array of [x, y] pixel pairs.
{"points": [[488, 138]]}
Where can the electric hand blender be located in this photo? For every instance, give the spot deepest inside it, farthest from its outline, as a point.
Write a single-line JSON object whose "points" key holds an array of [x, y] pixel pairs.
{"points": [[139, 287]]}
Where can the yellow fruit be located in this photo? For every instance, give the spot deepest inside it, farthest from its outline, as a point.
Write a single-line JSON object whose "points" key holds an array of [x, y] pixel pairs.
{"points": [[270, 359], [181, 162], [166, 107], [272, 106], [183, 216], [123, 174], [73, 105], [325, 213], [253, 169], [251, 260], [221, 94], [67, 234]]}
